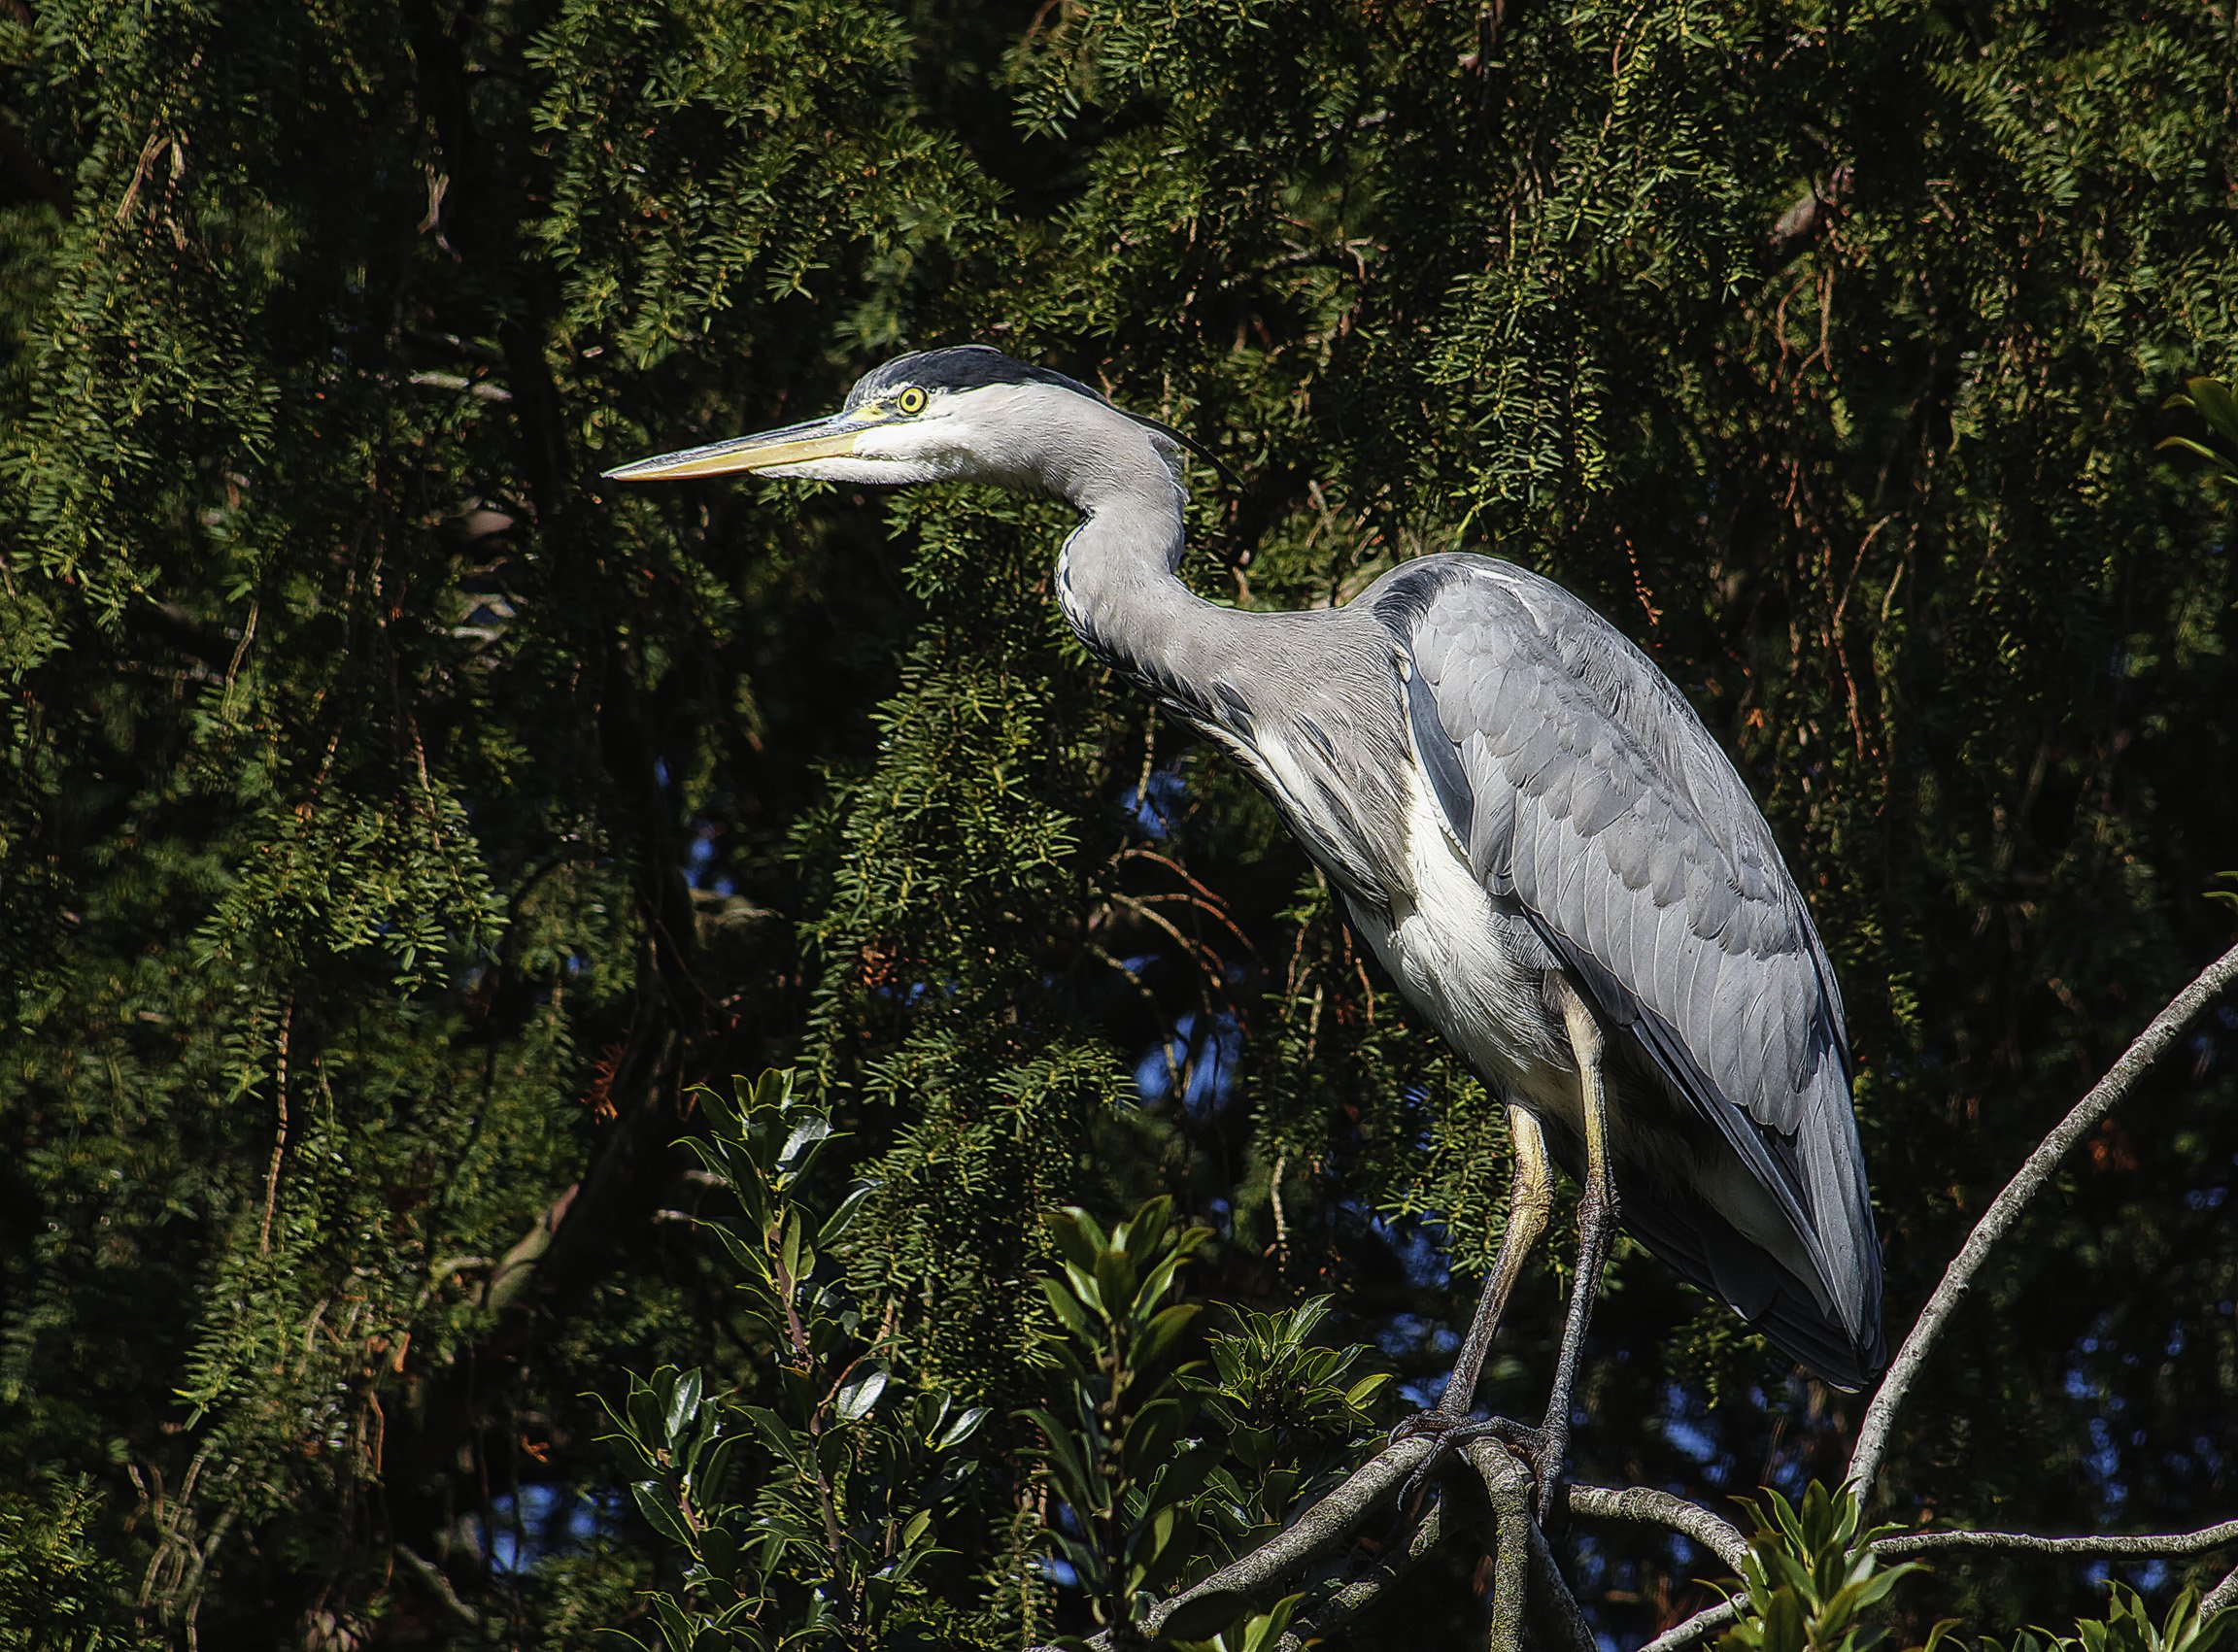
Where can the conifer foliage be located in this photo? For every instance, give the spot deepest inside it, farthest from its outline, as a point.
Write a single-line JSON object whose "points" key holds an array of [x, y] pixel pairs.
{"points": [[406, 838]]}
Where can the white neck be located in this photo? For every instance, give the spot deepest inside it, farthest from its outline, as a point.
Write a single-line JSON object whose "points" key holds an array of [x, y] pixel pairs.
{"points": [[1115, 577]]}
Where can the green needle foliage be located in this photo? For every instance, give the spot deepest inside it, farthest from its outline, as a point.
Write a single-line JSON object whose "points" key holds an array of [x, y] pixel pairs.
{"points": [[58, 1588], [400, 826]]}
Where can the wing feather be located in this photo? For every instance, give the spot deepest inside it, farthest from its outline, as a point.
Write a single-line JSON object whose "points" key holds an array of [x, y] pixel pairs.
{"points": [[1596, 801]]}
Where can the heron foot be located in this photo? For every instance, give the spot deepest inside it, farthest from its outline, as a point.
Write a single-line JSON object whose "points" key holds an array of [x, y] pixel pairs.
{"points": [[1433, 1420], [1539, 1450]]}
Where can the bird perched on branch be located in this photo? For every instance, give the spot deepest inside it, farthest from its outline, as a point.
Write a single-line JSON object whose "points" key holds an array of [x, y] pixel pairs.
{"points": [[1527, 822]]}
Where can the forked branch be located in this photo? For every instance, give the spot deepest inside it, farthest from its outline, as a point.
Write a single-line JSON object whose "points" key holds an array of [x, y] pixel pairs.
{"points": [[1364, 1590], [1531, 1600], [1531, 1603]]}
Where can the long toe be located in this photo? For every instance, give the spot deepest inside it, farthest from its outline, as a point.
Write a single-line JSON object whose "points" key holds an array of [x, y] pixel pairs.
{"points": [[1433, 1420], [1449, 1432], [1541, 1452]]}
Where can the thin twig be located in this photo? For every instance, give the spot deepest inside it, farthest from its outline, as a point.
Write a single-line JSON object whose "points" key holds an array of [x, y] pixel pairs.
{"points": [[1282, 1217], [1700, 1627], [1646, 1505], [279, 1131], [2222, 1596], [1364, 1590], [1196, 950], [2006, 1208], [1207, 901], [2090, 1543], [1326, 1522]]}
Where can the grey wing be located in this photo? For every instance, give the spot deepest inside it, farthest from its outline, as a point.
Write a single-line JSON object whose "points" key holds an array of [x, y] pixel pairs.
{"points": [[1581, 786]]}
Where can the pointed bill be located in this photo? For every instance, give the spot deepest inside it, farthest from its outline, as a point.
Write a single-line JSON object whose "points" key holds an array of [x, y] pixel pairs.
{"points": [[796, 444]]}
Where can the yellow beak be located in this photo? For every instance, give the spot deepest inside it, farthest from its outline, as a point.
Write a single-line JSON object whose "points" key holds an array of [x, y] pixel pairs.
{"points": [[796, 444]]}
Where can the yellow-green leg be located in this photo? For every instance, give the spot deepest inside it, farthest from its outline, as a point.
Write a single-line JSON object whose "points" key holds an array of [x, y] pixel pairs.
{"points": [[1530, 1199], [1596, 1226]]}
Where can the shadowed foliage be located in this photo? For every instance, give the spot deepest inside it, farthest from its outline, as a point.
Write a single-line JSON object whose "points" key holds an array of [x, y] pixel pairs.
{"points": [[398, 823]]}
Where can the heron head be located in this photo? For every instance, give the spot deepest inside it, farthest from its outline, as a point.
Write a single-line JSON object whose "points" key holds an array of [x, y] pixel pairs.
{"points": [[964, 414]]}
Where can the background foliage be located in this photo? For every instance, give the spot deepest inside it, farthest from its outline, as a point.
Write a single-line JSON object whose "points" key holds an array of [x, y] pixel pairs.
{"points": [[395, 823]]}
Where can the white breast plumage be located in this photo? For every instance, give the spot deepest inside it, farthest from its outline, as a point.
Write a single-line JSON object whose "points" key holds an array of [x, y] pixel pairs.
{"points": [[1472, 969]]}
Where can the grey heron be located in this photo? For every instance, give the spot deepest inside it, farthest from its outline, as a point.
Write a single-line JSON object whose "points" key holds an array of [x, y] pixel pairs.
{"points": [[1525, 820]]}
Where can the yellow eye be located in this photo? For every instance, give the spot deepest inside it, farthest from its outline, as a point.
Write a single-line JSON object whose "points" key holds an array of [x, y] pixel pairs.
{"points": [[910, 401]]}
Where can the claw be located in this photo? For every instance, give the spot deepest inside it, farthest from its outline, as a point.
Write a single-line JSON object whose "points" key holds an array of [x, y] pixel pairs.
{"points": [[1539, 1450], [1431, 1421], [1440, 1426]]}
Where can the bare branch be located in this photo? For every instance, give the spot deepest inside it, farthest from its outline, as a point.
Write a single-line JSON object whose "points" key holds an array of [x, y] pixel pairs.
{"points": [[2006, 1208], [1509, 1490], [1532, 1603], [1557, 1614], [1365, 1589], [1700, 1627], [1326, 1523], [2222, 1596], [1802, 221], [1548, 1615], [1647, 1506], [2092, 1543], [431, 1574]]}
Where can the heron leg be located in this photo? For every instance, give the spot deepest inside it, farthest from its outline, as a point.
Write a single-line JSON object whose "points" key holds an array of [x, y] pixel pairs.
{"points": [[1596, 1226], [1530, 1200], [1530, 1197]]}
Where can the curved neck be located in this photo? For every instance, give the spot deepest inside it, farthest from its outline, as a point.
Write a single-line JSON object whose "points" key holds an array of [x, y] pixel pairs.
{"points": [[1116, 581]]}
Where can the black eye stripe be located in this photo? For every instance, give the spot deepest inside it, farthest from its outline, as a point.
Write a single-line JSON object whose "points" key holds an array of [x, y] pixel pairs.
{"points": [[959, 367], [963, 367]]}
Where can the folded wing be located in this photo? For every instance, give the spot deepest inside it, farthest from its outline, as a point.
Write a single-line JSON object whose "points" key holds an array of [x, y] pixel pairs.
{"points": [[1584, 789]]}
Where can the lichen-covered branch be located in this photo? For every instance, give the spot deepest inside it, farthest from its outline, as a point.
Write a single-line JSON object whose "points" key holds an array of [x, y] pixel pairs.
{"points": [[1511, 1495], [1364, 1590], [1645, 1505], [2198, 1542], [1328, 1522], [1697, 1627], [1531, 1603], [1548, 1613]]}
